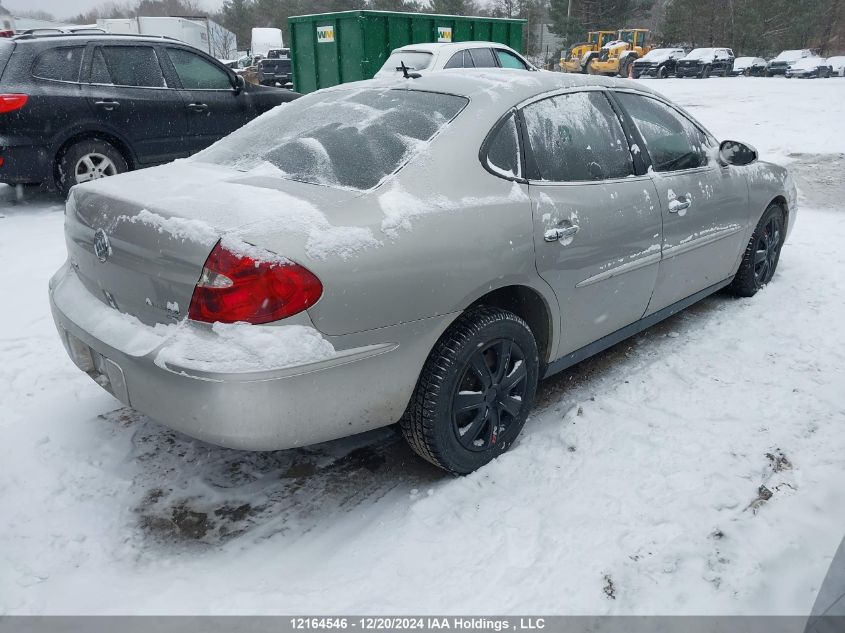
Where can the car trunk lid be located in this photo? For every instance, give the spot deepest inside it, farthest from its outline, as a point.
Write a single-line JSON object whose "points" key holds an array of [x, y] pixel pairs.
{"points": [[138, 242]]}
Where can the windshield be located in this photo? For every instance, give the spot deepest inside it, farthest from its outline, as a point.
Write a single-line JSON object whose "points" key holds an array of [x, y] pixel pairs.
{"points": [[593, 38], [789, 56], [807, 62], [414, 60], [742, 62], [350, 139], [658, 53], [701, 53]]}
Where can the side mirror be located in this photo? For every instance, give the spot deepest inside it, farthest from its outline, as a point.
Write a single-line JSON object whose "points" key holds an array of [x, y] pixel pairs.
{"points": [[736, 153], [239, 84]]}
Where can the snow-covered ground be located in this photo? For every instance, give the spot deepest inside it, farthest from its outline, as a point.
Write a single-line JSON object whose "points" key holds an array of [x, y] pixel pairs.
{"points": [[696, 468]]}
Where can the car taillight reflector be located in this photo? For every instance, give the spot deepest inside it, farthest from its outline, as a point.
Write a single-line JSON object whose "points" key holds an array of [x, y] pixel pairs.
{"points": [[238, 288], [10, 103]]}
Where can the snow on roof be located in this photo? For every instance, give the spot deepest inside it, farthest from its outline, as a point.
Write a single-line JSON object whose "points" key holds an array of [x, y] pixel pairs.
{"points": [[433, 47]]}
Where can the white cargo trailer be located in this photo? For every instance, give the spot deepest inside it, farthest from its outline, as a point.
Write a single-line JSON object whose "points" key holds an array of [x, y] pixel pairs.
{"points": [[199, 32]]}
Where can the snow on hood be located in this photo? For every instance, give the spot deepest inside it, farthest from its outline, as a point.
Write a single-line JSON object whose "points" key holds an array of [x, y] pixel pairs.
{"points": [[807, 63], [790, 56], [662, 54], [743, 62]]}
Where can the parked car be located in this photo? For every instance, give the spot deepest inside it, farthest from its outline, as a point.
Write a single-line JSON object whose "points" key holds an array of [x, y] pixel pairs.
{"points": [[422, 253], [809, 67], [81, 107], [780, 64], [704, 62], [749, 67], [276, 69], [426, 58], [837, 65], [658, 62]]}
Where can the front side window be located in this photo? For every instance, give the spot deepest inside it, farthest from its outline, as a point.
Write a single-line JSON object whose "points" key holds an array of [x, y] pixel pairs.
{"points": [[503, 150], [344, 138], [59, 64], [483, 58], [509, 60], [673, 141], [197, 73], [577, 137], [127, 66]]}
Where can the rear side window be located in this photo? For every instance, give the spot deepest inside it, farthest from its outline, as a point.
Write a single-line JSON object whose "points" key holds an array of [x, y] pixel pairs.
{"points": [[351, 139], [59, 64], [509, 60], [503, 150], [483, 58], [576, 137], [197, 73], [127, 66], [673, 141], [461, 59]]}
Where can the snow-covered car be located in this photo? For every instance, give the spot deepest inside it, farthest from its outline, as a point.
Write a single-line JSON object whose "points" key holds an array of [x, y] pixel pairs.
{"points": [[780, 64], [809, 67], [704, 62], [749, 67], [422, 252], [837, 65], [426, 58], [658, 62]]}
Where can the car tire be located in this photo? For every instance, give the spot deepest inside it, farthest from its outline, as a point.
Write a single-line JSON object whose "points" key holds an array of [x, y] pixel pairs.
{"points": [[486, 363], [662, 72], [760, 260], [88, 160]]}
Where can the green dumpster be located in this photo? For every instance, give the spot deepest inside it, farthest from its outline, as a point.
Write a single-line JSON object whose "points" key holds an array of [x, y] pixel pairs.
{"points": [[334, 48]]}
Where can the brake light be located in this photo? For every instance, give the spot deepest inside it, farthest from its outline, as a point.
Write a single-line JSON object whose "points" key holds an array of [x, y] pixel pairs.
{"points": [[238, 288], [7, 33], [10, 103]]}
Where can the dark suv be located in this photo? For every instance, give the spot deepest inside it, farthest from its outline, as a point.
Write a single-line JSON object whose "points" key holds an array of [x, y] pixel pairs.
{"points": [[74, 108]]}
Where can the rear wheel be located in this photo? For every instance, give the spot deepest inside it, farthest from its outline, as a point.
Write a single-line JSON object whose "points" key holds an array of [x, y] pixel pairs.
{"points": [[87, 160], [662, 72], [762, 253], [474, 392]]}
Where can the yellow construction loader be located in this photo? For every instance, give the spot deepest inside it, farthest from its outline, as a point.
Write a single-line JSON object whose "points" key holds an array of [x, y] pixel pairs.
{"points": [[617, 57], [578, 56]]}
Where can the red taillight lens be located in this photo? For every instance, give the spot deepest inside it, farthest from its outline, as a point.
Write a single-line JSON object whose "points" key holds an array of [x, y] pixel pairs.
{"points": [[238, 288], [10, 103]]}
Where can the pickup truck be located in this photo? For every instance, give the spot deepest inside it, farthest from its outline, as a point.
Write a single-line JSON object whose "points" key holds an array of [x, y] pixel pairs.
{"points": [[276, 69]]}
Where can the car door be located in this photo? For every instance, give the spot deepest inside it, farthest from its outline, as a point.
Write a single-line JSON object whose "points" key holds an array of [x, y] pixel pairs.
{"points": [[596, 219], [213, 107], [704, 205], [127, 92]]}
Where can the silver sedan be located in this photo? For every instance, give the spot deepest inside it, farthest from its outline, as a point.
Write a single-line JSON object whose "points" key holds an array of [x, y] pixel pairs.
{"points": [[420, 252]]}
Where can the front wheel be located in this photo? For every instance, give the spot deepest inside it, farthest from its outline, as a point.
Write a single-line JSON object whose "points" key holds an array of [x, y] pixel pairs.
{"points": [[762, 253], [662, 72], [474, 392]]}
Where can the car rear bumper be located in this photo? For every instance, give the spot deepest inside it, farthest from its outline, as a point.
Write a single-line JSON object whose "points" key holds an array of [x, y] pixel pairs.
{"points": [[23, 162], [361, 388]]}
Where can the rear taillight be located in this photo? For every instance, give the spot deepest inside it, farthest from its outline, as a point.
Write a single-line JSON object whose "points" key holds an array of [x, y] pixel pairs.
{"points": [[238, 288], [10, 103]]}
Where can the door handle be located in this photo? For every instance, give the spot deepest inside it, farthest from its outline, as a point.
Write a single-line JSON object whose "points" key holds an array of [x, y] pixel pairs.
{"points": [[679, 204], [198, 107], [107, 105], [554, 235]]}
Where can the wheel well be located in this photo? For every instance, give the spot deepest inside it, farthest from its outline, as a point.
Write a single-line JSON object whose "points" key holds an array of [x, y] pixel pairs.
{"points": [[530, 306], [782, 203], [119, 145]]}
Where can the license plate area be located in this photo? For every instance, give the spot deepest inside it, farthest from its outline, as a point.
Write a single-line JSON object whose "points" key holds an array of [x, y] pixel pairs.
{"points": [[102, 370]]}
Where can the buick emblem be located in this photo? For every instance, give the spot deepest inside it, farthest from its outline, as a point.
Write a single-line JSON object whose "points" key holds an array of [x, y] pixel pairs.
{"points": [[102, 248]]}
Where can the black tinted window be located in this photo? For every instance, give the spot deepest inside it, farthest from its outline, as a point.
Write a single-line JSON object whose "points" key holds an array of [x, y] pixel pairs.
{"points": [[672, 140], [456, 61], [503, 151], [127, 66], [575, 137], [350, 138], [61, 64], [197, 73], [483, 58]]}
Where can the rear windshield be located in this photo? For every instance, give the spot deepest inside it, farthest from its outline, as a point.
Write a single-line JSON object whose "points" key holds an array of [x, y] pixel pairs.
{"points": [[789, 56], [413, 60], [350, 139]]}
